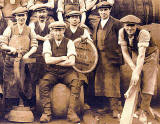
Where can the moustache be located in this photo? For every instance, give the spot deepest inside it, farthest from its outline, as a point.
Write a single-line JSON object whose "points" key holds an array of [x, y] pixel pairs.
{"points": [[42, 17]]}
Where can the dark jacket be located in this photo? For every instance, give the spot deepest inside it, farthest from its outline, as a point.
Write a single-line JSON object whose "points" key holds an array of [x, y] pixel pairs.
{"points": [[113, 50]]}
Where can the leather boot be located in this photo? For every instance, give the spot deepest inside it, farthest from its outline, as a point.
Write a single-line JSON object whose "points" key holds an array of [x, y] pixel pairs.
{"points": [[46, 116], [114, 107], [145, 108], [72, 115]]}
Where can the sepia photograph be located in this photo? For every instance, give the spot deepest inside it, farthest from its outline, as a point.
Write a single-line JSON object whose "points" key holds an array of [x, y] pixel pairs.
{"points": [[79, 62]]}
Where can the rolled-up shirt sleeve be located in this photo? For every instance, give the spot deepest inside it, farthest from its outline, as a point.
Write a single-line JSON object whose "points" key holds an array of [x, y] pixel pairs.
{"points": [[144, 38], [6, 36], [82, 6], [47, 48], [34, 42], [121, 40], [71, 50], [86, 34], [60, 6]]}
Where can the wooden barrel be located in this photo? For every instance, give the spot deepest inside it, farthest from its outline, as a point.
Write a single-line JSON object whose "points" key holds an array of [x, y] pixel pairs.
{"points": [[147, 10], [60, 95]]}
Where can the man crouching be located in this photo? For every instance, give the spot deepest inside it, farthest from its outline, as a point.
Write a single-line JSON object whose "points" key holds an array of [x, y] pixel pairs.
{"points": [[59, 54]]}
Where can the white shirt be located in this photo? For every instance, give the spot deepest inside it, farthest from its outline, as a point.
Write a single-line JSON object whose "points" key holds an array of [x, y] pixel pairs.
{"points": [[103, 22], [85, 34], [71, 50]]}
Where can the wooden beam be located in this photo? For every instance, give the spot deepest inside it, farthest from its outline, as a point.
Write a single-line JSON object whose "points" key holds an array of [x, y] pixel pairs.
{"points": [[130, 104]]}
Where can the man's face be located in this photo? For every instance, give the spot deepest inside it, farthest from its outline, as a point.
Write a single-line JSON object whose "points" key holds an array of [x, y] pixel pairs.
{"points": [[104, 12], [57, 33], [130, 28], [74, 20], [21, 18], [42, 14]]}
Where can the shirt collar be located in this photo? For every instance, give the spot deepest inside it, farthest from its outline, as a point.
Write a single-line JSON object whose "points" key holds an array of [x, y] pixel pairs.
{"points": [[104, 21]]}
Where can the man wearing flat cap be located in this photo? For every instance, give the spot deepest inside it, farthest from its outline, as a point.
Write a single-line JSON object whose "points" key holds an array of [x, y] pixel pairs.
{"points": [[50, 4], [64, 7], [41, 30], [59, 54], [7, 6], [92, 11], [141, 54], [20, 41], [107, 73]]}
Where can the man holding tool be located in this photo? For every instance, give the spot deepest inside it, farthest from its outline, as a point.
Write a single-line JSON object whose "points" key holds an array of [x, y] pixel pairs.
{"points": [[137, 43]]}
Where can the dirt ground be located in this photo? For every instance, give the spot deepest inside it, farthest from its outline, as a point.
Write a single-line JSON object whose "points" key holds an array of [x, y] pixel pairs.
{"points": [[103, 119]]}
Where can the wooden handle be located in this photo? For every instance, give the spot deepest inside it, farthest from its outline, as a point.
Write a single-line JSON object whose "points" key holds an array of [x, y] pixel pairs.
{"points": [[129, 91], [29, 60]]}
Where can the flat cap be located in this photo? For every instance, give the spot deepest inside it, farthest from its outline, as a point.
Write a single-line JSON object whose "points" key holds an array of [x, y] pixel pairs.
{"points": [[131, 19], [73, 13], [38, 7], [19, 10], [57, 24], [104, 4]]}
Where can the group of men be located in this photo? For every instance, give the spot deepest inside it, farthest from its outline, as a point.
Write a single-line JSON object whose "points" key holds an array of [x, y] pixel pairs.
{"points": [[52, 43]]}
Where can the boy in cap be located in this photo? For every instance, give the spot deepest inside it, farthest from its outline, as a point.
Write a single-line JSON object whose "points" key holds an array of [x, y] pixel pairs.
{"points": [[107, 73], [59, 54], [20, 42], [64, 6], [137, 44], [76, 33]]}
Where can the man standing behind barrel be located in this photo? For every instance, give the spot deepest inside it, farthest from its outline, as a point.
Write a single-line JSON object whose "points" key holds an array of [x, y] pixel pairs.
{"points": [[41, 30], [107, 76], [59, 53], [137, 44], [20, 42], [76, 33]]}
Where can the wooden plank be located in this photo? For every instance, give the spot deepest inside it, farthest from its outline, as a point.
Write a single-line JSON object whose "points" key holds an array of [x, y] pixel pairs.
{"points": [[130, 104]]}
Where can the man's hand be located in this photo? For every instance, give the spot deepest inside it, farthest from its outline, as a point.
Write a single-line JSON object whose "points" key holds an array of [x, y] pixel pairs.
{"points": [[12, 50], [135, 77], [47, 37], [64, 58], [83, 25], [26, 56]]}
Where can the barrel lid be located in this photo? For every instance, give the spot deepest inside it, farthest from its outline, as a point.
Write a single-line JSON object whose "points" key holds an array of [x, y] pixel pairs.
{"points": [[87, 56]]}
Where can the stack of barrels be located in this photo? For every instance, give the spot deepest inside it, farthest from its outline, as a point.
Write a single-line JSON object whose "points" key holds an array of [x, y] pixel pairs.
{"points": [[147, 10]]}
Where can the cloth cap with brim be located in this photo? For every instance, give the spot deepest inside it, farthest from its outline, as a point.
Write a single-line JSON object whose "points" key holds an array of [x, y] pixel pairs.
{"points": [[131, 19], [38, 7], [73, 13], [57, 25], [19, 10], [104, 4]]}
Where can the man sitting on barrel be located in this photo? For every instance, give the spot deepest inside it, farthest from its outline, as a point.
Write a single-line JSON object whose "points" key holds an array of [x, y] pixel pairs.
{"points": [[142, 55], [59, 53], [20, 41]]}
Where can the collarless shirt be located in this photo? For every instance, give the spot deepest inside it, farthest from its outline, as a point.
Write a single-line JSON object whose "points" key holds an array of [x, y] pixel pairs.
{"points": [[58, 42], [103, 22]]}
